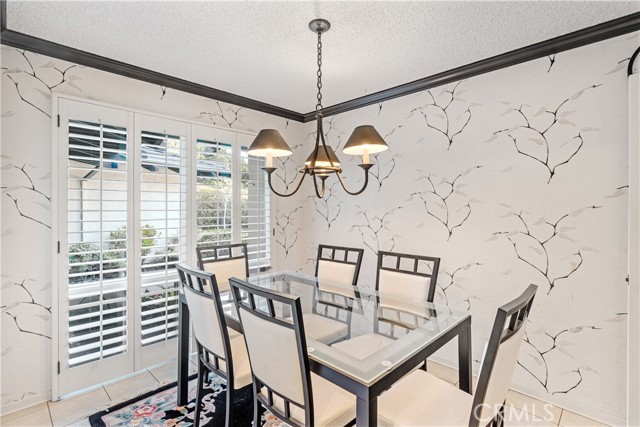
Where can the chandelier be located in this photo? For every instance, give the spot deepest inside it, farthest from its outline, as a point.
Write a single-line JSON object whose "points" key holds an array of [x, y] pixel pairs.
{"points": [[322, 162]]}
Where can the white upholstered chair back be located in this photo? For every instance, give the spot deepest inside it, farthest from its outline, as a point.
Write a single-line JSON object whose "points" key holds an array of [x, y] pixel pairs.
{"points": [[406, 276], [273, 330], [273, 351], [338, 267], [500, 358], [224, 269], [205, 320], [500, 380], [336, 277], [224, 261], [399, 285]]}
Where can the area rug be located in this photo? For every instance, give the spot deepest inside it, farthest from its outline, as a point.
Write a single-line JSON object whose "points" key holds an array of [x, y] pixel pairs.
{"points": [[159, 408]]}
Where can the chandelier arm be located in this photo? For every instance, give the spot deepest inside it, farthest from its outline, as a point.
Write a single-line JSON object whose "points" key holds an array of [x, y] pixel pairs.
{"points": [[366, 168], [319, 193], [270, 171]]}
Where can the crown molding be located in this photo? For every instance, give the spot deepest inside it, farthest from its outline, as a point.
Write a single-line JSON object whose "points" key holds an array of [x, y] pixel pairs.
{"points": [[596, 33]]}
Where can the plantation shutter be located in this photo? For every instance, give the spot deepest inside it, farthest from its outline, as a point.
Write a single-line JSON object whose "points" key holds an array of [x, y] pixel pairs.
{"points": [[256, 205], [135, 194], [214, 193], [97, 241], [162, 225]]}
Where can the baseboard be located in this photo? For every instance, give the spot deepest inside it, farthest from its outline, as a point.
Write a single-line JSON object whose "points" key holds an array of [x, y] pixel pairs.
{"points": [[18, 405]]}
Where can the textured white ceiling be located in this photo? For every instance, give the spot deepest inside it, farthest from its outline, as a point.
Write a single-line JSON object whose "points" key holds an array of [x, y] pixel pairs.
{"points": [[265, 51]]}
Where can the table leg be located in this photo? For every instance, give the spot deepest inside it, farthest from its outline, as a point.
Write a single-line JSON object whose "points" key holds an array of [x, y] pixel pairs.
{"points": [[367, 412], [464, 359], [183, 353]]}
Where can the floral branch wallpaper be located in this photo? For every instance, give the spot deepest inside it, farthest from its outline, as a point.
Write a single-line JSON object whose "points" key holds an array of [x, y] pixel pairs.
{"points": [[28, 82], [514, 177]]}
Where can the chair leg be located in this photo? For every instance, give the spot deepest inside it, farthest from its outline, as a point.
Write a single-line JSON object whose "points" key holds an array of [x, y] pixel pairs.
{"points": [[256, 412], [229, 415], [501, 414], [202, 374], [498, 420]]}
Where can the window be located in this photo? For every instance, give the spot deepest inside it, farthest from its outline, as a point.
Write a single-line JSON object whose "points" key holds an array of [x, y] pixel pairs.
{"points": [[137, 193]]}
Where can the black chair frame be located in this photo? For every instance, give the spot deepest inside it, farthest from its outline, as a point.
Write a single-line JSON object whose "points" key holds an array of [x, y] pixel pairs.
{"points": [[514, 315], [216, 255], [195, 280], [415, 264], [345, 259], [322, 306], [293, 303]]}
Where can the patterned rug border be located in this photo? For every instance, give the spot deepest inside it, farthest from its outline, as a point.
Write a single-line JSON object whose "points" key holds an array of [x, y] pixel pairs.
{"points": [[96, 419]]}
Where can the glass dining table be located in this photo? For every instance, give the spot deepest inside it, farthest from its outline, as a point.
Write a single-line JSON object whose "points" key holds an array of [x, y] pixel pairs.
{"points": [[357, 339]]}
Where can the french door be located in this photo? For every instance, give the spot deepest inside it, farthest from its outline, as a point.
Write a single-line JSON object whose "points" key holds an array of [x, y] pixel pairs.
{"points": [[135, 194], [96, 302]]}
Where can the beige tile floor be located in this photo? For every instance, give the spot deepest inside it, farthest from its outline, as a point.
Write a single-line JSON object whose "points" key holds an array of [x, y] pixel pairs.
{"points": [[521, 410]]}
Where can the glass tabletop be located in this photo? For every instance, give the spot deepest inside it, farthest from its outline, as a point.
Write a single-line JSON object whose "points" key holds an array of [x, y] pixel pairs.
{"points": [[356, 331]]}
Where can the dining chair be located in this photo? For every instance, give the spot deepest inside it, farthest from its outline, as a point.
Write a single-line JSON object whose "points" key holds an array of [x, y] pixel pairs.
{"points": [[221, 350], [407, 276], [429, 401], [399, 277], [224, 261], [282, 382], [337, 270]]}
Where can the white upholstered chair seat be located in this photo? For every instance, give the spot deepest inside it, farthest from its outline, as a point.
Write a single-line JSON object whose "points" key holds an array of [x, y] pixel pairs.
{"points": [[332, 405], [421, 399], [363, 346], [323, 329]]}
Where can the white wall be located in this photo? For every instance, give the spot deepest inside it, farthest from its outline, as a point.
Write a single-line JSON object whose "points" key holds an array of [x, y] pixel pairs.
{"points": [[576, 350], [26, 177]]}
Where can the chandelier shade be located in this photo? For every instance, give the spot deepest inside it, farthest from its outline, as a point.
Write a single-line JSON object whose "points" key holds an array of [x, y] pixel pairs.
{"points": [[323, 161], [269, 141], [364, 139]]}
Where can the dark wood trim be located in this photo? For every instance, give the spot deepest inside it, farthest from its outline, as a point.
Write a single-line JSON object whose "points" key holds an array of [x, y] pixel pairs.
{"points": [[585, 36], [596, 33], [3, 16], [55, 50], [633, 58]]}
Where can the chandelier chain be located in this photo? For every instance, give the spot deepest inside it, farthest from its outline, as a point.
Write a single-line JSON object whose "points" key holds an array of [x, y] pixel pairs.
{"points": [[319, 73]]}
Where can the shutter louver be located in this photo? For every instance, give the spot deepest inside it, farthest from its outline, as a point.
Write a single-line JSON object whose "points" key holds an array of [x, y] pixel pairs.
{"points": [[214, 192], [97, 173], [162, 232], [255, 217]]}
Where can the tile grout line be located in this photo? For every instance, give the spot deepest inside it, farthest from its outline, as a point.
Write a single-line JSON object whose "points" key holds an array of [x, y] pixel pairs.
{"points": [[154, 377], [50, 416], [105, 390]]}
